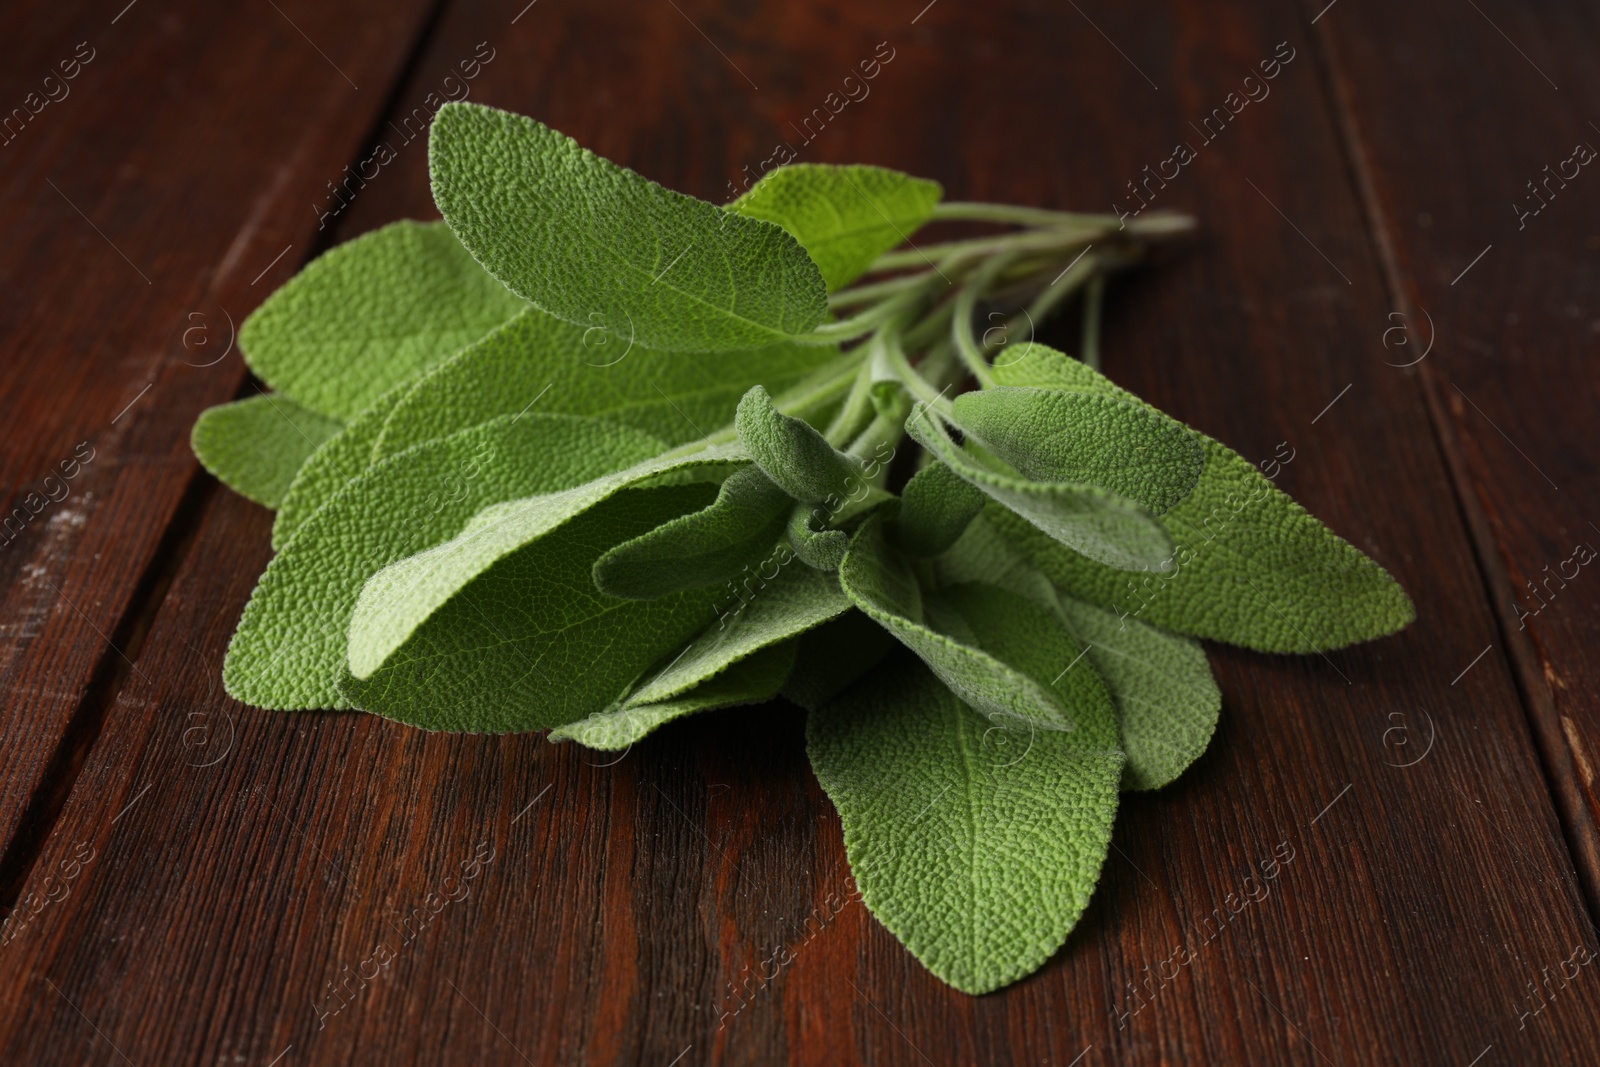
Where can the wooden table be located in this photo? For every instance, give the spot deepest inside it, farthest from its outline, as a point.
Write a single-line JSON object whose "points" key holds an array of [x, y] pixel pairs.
{"points": [[190, 878]]}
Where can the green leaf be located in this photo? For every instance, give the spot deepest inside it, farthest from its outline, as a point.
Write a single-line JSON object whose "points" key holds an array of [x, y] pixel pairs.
{"points": [[555, 366], [370, 313], [976, 661], [581, 237], [530, 644], [978, 848], [290, 648], [704, 548], [816, 545], [1103, 525], [400, 598], [1250, 566], [254, 446], [1167, 701], [792, 453], [342, 458], [750, 681], [935, 507], [796, 600], [843, 216], [833, 656], [1032, 365], [1053, 436]]}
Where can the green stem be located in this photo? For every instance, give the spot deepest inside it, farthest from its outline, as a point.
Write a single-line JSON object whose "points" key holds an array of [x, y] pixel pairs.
{"points": [[886, 430], [940, 367], [1062, 231], [934, 325], [864, 294], [1065, 284], [961, 318], [856, 410], [970, 211], [1093, 302], [916, 385], [976, 247], [866, 322]]}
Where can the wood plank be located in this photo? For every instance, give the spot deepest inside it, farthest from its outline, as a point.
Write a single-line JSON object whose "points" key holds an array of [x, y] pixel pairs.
{"points": [[1510, 379], [146, 211], [626, 902]]}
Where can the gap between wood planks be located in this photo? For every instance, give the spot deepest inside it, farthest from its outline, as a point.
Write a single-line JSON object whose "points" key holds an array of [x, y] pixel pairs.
{"points": [[121, 656], [1579, 829]]}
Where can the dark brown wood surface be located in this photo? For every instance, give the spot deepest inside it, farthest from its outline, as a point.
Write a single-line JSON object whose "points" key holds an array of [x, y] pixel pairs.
{"points": [[196, 875], [146, 211], [1510, 378]]}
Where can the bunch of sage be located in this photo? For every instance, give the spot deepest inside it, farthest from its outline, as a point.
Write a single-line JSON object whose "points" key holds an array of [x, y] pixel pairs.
{"points": [[591, 455]]}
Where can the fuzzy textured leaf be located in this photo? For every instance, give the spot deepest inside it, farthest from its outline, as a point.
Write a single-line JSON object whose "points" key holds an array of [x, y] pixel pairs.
{"points": [[882, 586], [254, 446], [750, 681], [556, 366], [582, 237], [704, 548], [401, 597], [843, 216], [530, 644], [833, 656], [1050, 435], [1105, 526], [978, 856], [792, 453], [1167, 701], [370, 313], [1250, 566], [797, 600], [815, 545], [290, 648], [935, 507], [343, 458]]}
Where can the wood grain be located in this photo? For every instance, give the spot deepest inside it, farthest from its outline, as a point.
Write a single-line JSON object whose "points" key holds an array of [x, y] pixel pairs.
{"points": [[247, 863], [1510, 378], [146, 211]]}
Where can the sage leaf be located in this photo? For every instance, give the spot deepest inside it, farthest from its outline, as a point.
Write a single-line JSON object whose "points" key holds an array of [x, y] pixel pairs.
{"points": [[529, 644], [843, 216], [978, 855], [581, 237], [369, 313], [703, 548], [792, 453], [935, 507], [254, 446], [1167, 701], [342, 458], [795, 600], [1250, 566], [289, 651], [815, 545], [538, 362], [1105, 526], [1050, 435], [401, 597], [798, 599], [750, 681], [832, 656], [883, 587]]}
